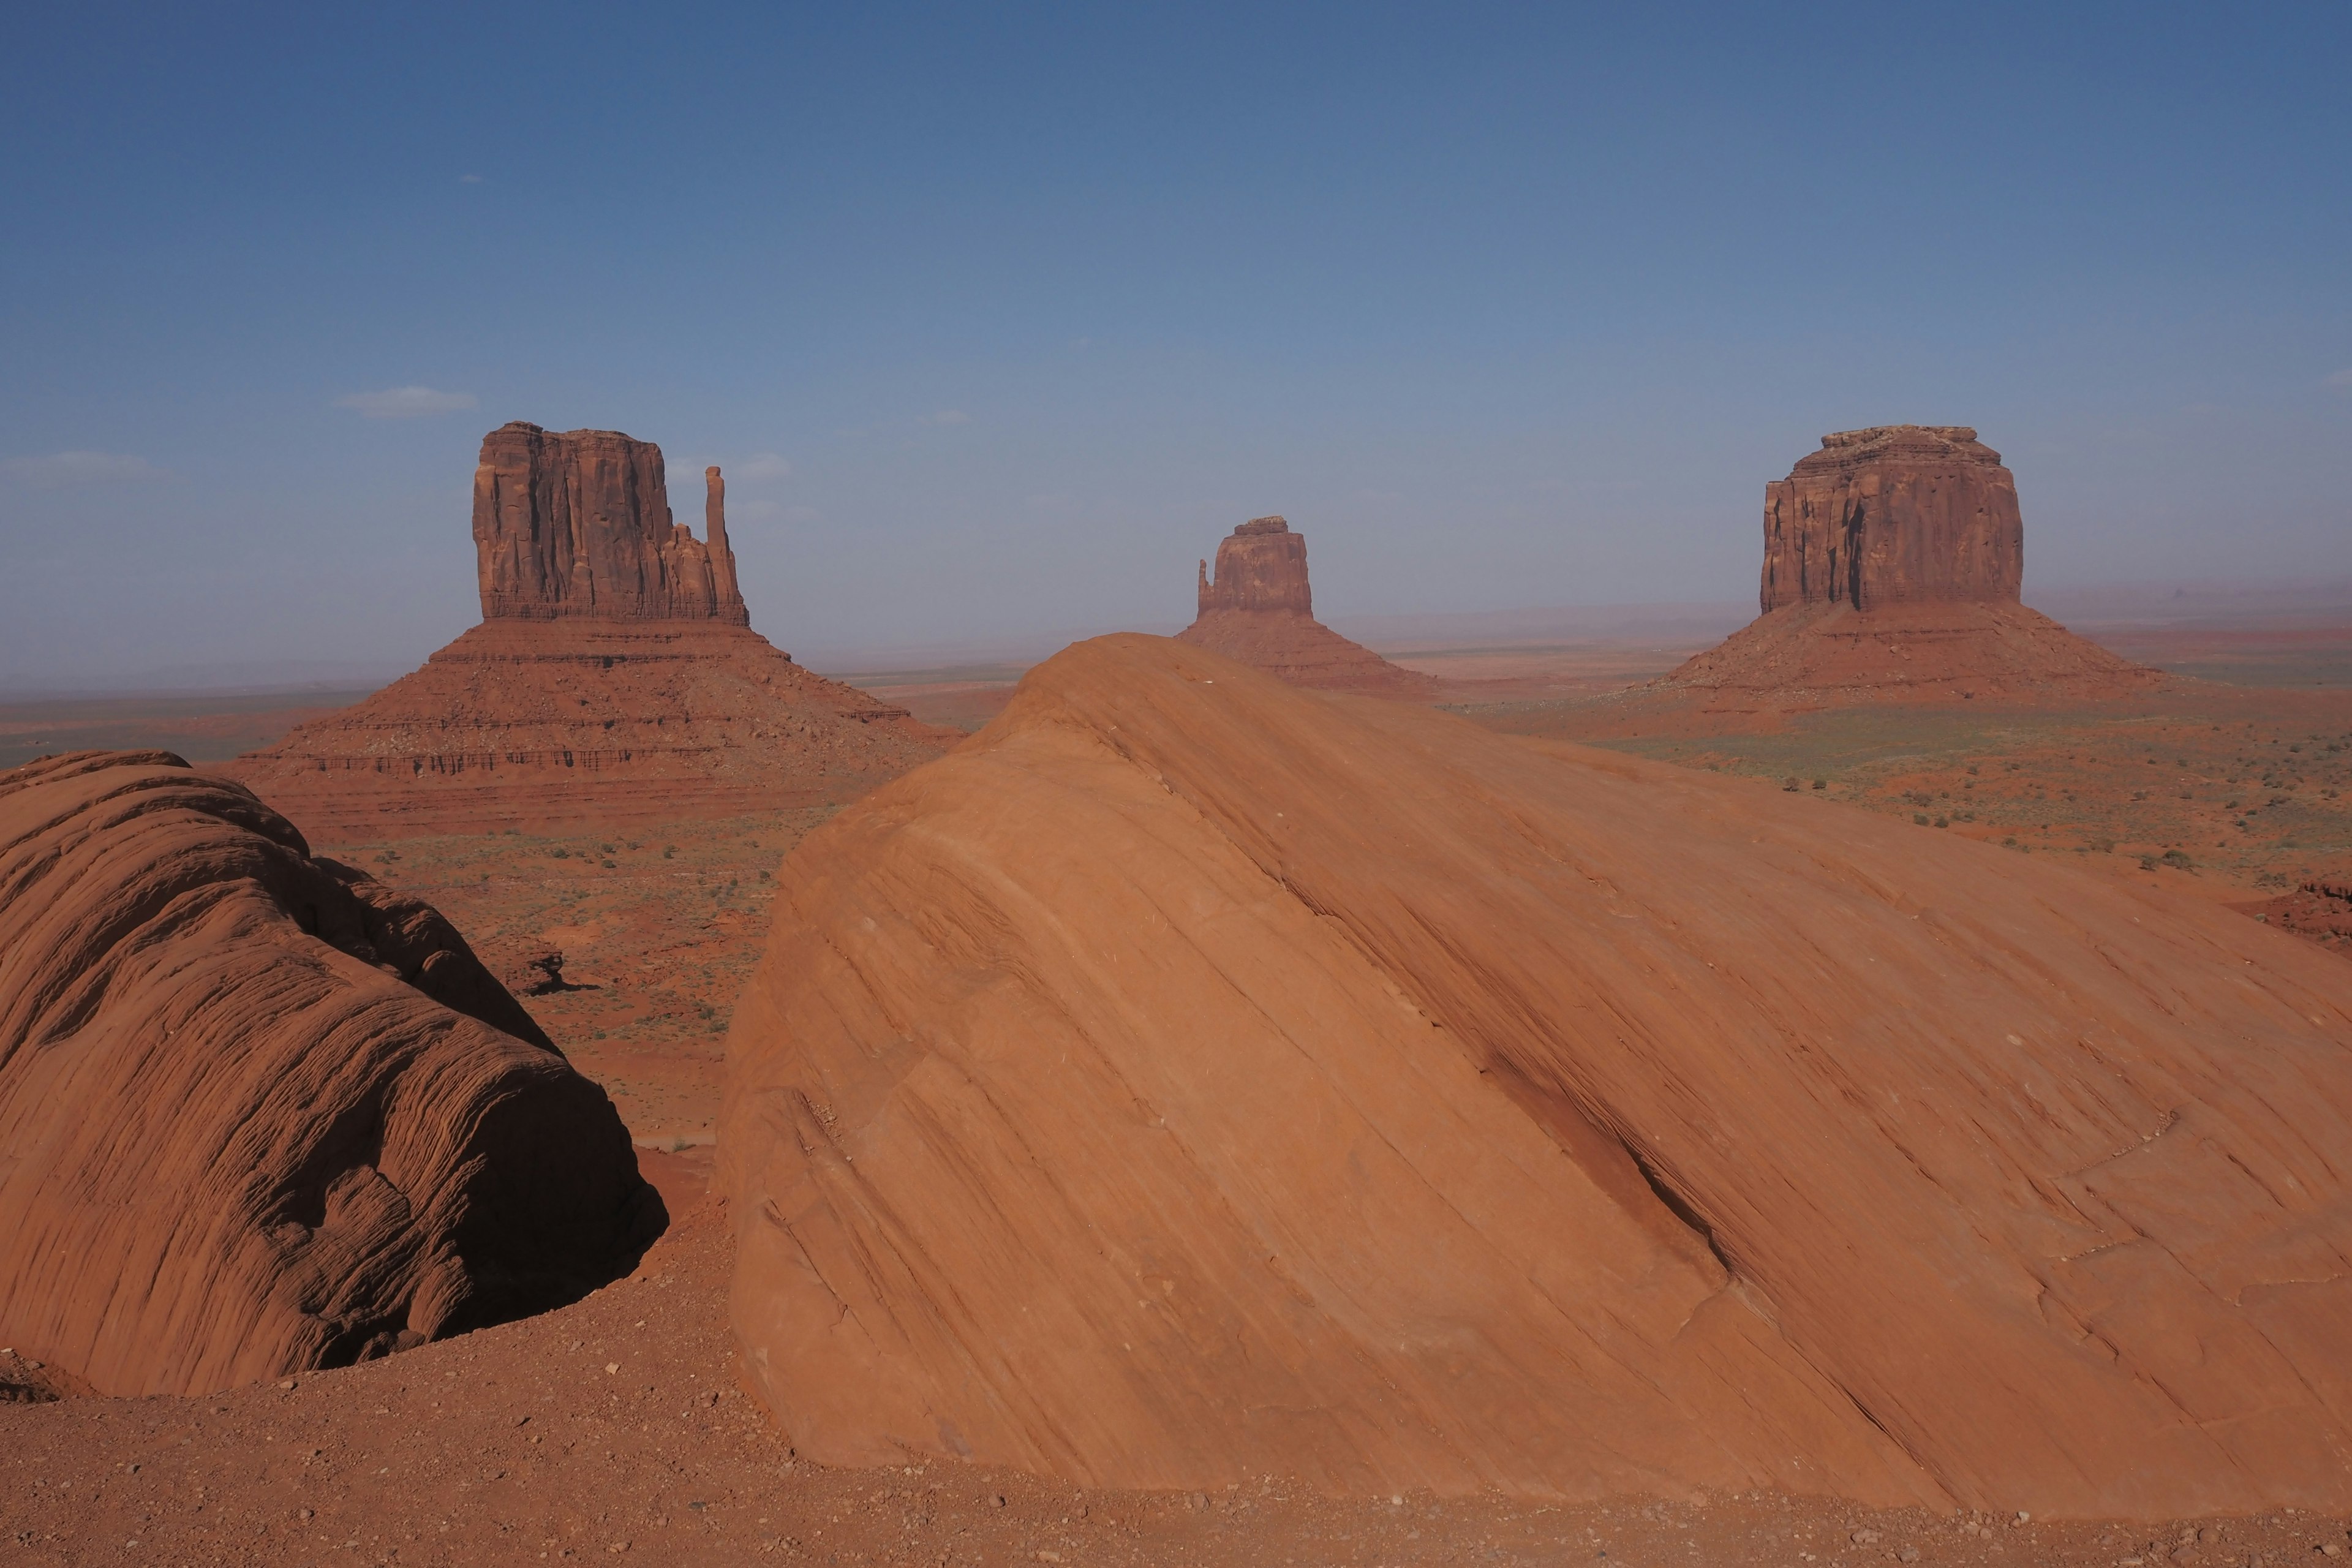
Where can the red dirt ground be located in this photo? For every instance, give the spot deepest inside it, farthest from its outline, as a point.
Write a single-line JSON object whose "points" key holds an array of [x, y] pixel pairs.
{"points": [[615, 1429]]}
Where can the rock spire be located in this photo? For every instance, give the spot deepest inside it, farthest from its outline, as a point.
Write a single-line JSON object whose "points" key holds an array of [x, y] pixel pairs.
{"points": [[577, 523]]}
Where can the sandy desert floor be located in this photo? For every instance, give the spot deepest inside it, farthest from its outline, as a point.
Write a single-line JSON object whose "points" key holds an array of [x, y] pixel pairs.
{"points": [[2235, 790]]}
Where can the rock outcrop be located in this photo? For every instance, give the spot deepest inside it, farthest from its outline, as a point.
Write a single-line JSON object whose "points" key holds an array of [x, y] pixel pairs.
{"points": [[1892, 563], [1259, 610], [1188, 1078], [613, 677], [1261, 566], [1893, 514], [259, 1113], [578, 524]]}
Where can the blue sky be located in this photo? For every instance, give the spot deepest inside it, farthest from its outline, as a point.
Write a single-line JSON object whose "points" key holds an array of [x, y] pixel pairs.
{"points": [[999, 318]]}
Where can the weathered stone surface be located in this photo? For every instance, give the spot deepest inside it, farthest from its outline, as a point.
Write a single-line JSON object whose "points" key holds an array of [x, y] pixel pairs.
{"points": [[1261, 565], [1895, 513], [1259, 610], [578, 524], [1188, 1079], [259, 1113], [613, 677], [1892, 561]]}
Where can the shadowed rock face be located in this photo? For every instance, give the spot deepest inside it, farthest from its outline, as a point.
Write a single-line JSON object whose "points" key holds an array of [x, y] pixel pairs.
{"points": [[1899, 513], [578, 524], [1259, 610], [1190, 1077], [259, 1113]]}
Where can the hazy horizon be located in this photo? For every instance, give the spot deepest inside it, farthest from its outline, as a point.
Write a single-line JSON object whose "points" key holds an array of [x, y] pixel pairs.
{"points": [[998, 323]]}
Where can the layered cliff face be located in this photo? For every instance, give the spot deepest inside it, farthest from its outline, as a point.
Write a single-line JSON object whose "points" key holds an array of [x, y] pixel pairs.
{"points": [[1259, 609], [259, 1113], [613, 677], [1189, 1078], [578, 524], [1892, 561], [1893, 514], [1261, 565]]}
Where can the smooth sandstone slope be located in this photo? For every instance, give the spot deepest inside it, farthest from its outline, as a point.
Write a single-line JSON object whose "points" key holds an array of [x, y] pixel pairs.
{"points": [[259, 1113], [1190, 1077]]}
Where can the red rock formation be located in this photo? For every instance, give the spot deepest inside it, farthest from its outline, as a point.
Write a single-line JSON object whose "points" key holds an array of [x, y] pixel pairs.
{"points": [[1891, 560], [1900, 512], [579, 524], [612, 678], [1187, 1080], [1259, 610], [1261, 565], [259, 1113]]}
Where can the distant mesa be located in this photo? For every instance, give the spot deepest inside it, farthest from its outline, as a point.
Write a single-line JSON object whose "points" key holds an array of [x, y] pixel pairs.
{"points": [[1892, 558], [259, 1113], [1188, 1079], [615, 676], [1258, 609]]}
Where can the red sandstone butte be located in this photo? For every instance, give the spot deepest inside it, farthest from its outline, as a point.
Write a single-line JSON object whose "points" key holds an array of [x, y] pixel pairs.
{"points": [[615, 676], [1189, 1078], [1892, 561], [259, 1113], [579, 524], [1258, 609], [1899, 512]]}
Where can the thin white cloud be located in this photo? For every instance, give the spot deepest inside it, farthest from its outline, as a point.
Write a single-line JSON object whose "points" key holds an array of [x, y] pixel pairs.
{"points": [[762, 466], [406, 403], [2341, 378], [469, 179], [62, 468], [950, 416]]}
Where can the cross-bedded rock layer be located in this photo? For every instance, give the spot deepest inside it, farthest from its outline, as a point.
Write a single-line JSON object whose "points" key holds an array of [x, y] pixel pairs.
{"points": [[1190, 1077], [259, 1113]]}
